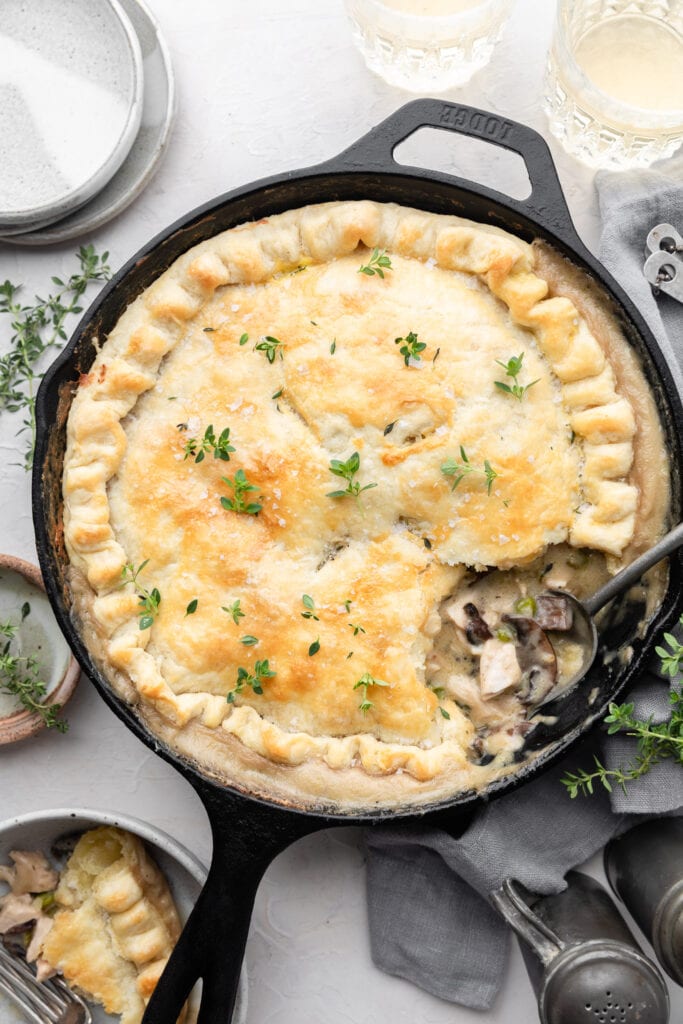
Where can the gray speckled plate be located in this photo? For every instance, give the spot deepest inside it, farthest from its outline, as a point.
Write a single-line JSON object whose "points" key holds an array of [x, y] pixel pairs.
{"points": [[71, 88], [184, 873], [150, 145]]}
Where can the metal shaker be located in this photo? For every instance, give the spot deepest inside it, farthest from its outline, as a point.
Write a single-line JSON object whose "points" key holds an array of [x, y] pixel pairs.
{"points": [[645, 870], [583, 962]]}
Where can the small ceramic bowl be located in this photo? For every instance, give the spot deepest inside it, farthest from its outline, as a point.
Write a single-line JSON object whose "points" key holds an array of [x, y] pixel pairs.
{"points": [[40, 830], [24, 603]]}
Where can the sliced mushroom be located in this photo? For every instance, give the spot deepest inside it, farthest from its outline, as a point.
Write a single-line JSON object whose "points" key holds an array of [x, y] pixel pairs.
{"points": [[466, 617], [499, 668], [16, 911], [553, 611], [536, 659], [32, 873]]}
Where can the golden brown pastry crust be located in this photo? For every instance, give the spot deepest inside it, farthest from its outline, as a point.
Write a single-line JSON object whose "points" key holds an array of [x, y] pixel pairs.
{"points": [[118, 923], [470, 292]]}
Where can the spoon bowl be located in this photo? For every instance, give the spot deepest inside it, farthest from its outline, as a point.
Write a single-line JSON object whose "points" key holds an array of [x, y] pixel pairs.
{"points": [[583, 631]]}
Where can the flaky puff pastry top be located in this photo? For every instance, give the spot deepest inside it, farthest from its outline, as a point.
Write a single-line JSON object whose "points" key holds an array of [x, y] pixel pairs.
{"points": [[184, 356]]}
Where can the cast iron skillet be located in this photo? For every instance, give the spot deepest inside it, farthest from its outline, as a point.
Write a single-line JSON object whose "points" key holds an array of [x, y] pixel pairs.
{"points": [[249, 831]]}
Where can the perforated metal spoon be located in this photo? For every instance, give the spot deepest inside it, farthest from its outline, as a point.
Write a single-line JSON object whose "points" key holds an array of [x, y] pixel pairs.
{"points": [[583, 631]]}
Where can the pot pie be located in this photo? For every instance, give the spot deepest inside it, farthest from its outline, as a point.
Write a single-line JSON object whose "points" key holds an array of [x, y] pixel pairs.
{"points": [[314, 468]]}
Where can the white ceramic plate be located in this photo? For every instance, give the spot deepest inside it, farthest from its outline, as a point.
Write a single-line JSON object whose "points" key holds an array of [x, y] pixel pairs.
{"points": [[185, 874], [158, 111], [71, 89]]}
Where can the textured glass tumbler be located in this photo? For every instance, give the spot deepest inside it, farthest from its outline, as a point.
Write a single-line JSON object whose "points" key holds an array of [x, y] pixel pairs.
{"points": [[614, 82], [427, 45]]}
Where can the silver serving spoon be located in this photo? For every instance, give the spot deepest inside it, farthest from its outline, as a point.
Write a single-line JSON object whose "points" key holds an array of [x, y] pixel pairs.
{"points": [[583, 631]]}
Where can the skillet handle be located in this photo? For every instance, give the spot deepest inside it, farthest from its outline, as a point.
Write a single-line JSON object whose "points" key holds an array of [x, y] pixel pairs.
{"points": [[246, 838], [546, 203]]}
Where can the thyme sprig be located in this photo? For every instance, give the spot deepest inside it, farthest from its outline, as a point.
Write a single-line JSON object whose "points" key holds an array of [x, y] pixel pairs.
{"points": [[513, 368], [234, 611], [37, 328], [240, 486], [271, 347], [411, 347], [459, 470], [656, 741], [199, 448], [309, 605], [365, 683], [149, 599], [20, 677], [347, 471], [377, 264], [255, 680]]}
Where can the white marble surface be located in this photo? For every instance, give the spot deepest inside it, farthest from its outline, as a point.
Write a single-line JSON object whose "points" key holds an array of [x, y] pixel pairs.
{"points": [[265, 87]]}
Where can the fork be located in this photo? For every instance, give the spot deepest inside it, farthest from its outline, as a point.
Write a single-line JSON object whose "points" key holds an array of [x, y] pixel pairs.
{"points": [[43, 1002]]}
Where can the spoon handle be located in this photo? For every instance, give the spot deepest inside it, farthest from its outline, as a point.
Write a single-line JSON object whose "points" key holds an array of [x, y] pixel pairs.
{"points": [[668, 544]]}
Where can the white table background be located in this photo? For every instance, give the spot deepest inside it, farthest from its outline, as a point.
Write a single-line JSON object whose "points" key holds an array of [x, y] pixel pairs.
{"points": [[263, 87]]}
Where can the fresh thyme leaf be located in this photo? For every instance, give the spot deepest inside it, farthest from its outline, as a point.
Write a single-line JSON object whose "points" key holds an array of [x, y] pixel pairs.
{"points": [[459, 470], [244, 338], [427, 543], [234, 611], [20, 677], [444, 713], [192, 607], [199, 449], [182, 427], [513, 368], [347, 470], [411, 348], [436, 355], [347, 604], [389, 427], [349, 655], [655, 741], [365, 683], [309, 605], [36, 329], [356, 628], [314, 648], [271, 347], [25, 610], [377, 264], [278, 394], [262, 671], [249, 641], [208, 330], [333, 347], [149, 599], [240, 486]]}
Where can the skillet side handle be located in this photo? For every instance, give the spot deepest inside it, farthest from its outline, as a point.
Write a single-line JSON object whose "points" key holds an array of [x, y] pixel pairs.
{"points": [[246, 838], [546, 203]]}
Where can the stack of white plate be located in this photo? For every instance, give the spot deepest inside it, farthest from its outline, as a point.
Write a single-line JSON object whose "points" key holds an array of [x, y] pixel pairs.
{"points": [[86, 105]]}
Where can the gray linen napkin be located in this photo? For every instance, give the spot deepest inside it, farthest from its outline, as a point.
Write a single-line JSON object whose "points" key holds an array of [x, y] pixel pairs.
{"points": [[429, 918]]}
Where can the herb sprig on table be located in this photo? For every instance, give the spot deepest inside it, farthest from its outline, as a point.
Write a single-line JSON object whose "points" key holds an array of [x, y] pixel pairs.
{"points": [[37, 328], [20, 676], [655, 741]]}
